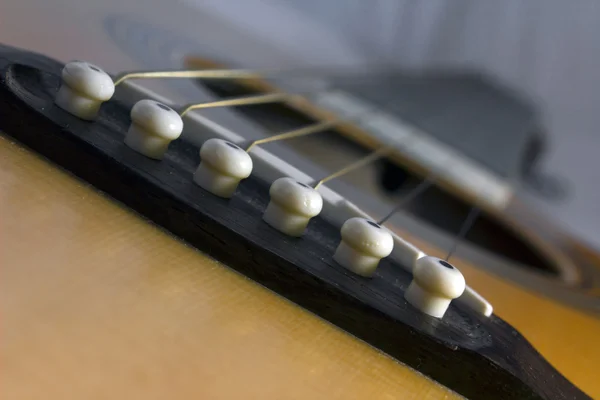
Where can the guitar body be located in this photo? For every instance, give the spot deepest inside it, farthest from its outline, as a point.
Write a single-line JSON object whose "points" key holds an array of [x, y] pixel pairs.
{"points": [[97, 301]]}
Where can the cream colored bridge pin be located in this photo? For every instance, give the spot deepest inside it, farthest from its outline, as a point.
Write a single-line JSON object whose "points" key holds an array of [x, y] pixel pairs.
{"points": [[223, 165], [435, 284], [153, 127], [292, 205], [83, 89], [364, 243]]}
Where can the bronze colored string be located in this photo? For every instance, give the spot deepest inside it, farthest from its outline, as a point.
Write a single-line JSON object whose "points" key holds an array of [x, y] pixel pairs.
{"points": [[374, 156], [317, 127], [413, 194], [190, 74], [225, 73], [242, 101], [464, 229], [308, 130]]}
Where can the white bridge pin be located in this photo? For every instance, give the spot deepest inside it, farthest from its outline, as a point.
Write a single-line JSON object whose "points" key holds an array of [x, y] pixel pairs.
{"points": [[435, 284], [223, 165], [292, 205], [153, 127], [83, 89], [364, 243]]}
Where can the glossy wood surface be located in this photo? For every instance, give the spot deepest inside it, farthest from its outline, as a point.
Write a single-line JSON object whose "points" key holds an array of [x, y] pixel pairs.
{"points": [[98, 303]]}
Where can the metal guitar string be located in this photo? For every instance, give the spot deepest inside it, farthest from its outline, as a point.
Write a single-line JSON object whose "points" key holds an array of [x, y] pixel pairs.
{"points": [[416, 192], [241, 101], [464, 229], [322, 127], [246, 100], [154, 126], [319, 127], [261, 99], [413, 194], [189, 74], [372, 157], [249, 73], [420, 189]]}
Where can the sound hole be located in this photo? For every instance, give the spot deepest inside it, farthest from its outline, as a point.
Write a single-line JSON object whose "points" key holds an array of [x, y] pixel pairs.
{"points": [[447, 212], [445, 264]]}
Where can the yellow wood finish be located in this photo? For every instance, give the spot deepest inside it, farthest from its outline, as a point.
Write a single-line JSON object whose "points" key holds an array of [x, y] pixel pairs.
{"points": [[96, 302]]}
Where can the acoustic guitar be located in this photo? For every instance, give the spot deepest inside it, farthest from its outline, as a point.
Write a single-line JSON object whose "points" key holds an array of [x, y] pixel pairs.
{"points": [[119, 268]]}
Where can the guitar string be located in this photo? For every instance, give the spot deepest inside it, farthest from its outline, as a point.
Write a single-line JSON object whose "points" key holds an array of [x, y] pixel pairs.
{"points": [[255, 100], [413, 194], [308, 130], [372, 157], [315, 128], [189, 74], [246, 100], [420, 189], [224, 73], [242, 101], [464, 229], [264, 98], [468, 222], [322, 127], [416, 192], [429, 181], [272, 98], [318, 127]]}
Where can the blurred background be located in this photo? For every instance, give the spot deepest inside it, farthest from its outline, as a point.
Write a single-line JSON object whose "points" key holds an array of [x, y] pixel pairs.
{"points": [[545, 49]]}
